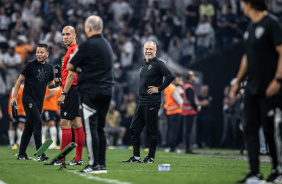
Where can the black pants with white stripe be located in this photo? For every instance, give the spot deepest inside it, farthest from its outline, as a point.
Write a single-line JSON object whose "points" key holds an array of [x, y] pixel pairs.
{"points": [[145, 115], [261, 110], [33, 125], [94, 111]]}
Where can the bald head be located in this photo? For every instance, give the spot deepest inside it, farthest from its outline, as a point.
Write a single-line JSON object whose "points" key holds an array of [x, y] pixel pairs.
{"points": [[69, 36], [69, 29], [95, 23]]}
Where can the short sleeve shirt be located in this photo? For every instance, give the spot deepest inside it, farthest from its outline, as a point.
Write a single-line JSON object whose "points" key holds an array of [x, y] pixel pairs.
{"points": [[37, 76], [260, 40]]}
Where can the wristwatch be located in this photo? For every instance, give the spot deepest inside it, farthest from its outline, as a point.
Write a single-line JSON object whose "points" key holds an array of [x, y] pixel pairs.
{"points": [[279, 80], [63, 93]]}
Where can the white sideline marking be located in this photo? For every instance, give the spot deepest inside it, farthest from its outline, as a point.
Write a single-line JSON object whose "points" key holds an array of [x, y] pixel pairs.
{"points": [[91, 177], [88, 176], [2, 182]]}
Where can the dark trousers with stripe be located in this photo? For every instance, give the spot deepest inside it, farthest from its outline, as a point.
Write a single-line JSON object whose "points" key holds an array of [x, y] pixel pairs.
{"points": [[173, 129], [94, 111], [33, 125], [145, 115], [188, 122], [260, 110]]}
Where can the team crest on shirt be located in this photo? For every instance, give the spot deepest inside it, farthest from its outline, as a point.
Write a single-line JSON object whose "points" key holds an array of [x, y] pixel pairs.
{"points": [[41, 74], [259, 32], [246, 35], [149, 67], [30, 105]]}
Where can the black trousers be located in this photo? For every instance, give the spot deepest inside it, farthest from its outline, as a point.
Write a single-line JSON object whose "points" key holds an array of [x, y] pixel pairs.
{"points": [[94, 111], [172, 131], [145, 115], [188, 121], [33, 125], [260, 110], [203, 130]]}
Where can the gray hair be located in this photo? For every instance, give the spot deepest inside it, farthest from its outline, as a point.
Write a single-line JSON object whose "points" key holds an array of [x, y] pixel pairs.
{"points": [[95, 23], [154, 43]]}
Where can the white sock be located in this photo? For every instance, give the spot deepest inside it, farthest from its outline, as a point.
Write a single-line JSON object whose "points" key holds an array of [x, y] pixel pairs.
{"points": [[53, 134], [137, 158], [44, 133], [19, 136], [11, 136], [119, 142]]}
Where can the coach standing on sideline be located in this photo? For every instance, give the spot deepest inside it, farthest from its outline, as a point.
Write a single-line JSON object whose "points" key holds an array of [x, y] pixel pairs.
{"points": [[262, 64], [146, 112], [95, 85], [36, 75]]}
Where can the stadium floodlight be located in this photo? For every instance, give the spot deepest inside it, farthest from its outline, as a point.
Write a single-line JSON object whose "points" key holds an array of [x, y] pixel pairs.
{"points": [[43, 147]]}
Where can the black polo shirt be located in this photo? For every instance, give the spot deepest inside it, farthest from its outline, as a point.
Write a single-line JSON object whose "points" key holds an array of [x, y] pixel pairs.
{"points": [[37, 76], [152, 74], [260, 41], [95, 58]]}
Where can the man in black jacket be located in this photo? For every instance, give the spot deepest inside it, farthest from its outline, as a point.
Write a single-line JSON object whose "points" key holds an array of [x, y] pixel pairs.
{"points": [[95, 86], [146, 112]]}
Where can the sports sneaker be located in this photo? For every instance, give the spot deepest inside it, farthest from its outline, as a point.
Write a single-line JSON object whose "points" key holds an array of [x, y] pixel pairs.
{"points": [[15, 146], [55, 162], [42, 158], [251, 177], [133, 159], [273, 176], [23, 157], [93, 169], [10, 146], [73, 162], [103, 167], [148, 160], [167, 150]]}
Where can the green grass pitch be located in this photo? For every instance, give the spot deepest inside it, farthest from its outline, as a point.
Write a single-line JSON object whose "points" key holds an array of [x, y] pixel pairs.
{"points": [[208, 167]]}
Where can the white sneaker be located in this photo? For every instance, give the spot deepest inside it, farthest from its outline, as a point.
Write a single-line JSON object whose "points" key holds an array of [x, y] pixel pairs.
{"points": [[167, 150]]}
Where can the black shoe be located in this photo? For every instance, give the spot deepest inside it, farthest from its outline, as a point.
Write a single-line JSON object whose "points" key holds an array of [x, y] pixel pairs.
{"points": [[73, 162], [42, 158], [274, 175], [103, 167], [93, 169], [148, 160], [251, 177], [133, 159], [55, 162], [23, 157]]}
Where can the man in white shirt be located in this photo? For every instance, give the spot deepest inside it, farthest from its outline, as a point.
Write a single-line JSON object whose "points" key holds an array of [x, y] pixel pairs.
{"points": [[11, 61]]}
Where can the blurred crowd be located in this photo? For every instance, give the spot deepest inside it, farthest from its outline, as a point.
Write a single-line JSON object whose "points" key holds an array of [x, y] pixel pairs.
{"points": [[184, 31]]}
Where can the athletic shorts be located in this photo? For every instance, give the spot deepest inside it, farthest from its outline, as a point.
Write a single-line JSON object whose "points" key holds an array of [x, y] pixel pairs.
{"points": [[19, 119], [69, 110], [48, 116], [110, 129]]}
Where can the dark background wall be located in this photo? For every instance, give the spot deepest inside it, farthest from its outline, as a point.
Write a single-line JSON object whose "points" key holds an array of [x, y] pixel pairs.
{"points": [[218, 70]]}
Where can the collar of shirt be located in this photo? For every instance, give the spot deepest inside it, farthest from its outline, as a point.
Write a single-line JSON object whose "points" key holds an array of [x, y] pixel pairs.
{"points": [[150, 60], [96, 36]]}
